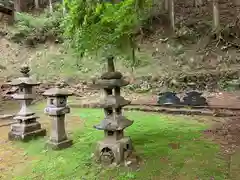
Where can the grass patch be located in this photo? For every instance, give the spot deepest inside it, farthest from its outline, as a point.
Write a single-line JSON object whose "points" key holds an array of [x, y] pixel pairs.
{"points": [[151, 134]]}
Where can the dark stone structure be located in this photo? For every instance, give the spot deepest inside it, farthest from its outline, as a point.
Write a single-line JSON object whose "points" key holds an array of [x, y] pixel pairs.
{"points": [[194, 98], [27, 126], [115, 147], [57, 108], [168, 98]]}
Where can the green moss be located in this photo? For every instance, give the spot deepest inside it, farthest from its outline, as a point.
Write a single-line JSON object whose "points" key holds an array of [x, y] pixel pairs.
{"points": [[151, 134]]}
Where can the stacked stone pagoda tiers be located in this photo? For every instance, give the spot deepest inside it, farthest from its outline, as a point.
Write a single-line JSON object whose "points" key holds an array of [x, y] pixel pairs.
{"points": [[57, 108], [27, 126], [115, 147]]}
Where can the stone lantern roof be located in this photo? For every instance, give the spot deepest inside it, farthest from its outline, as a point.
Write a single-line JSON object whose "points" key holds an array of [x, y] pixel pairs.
{"points": [[25, 79], [113, 102], [54, 92], [57, 91], [120, 123]]}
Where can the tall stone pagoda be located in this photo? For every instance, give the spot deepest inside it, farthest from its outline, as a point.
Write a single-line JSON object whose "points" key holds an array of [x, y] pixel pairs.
{"points": [[115, 147], [57, 108], [27, 126]]}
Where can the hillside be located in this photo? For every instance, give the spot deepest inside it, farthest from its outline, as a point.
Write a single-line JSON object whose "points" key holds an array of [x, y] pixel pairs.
{"points": [[165, 60]]}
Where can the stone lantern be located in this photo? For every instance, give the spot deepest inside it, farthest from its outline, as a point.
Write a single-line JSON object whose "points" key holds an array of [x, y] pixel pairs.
{"points": [[57, 108], [115, 147], [27, 126]]}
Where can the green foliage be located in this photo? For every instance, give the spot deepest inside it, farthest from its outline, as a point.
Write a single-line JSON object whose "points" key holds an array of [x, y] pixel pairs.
{"points": [[104, 27], [38, 28], [229, 84]]}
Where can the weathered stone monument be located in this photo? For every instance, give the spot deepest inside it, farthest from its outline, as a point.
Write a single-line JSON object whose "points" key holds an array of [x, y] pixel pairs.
{"points": [[27, 126], [114, 148], [194, 98], [57, 108], [168, 98]]}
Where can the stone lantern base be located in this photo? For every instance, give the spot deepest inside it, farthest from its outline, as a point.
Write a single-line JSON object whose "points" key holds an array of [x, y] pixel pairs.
{"points": [[110, 151], [59, 145], [26, 132]]}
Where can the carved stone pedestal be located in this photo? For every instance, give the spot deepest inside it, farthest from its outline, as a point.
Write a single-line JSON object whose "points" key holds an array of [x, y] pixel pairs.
{"points": [[25, 132], [110, 151], [60, 144], [58, 138]]}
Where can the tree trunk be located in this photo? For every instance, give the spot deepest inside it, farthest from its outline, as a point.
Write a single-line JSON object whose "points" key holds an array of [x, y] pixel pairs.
{"points": [[171, 13], [50, 6], [110, 64], [166, 5], [64, 8], [36, 4], [197, 3], [17, 5], [237, 2], [216, 21]]}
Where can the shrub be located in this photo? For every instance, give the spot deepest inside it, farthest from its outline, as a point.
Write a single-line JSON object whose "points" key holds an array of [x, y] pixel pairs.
{"points": [[37, 29]]}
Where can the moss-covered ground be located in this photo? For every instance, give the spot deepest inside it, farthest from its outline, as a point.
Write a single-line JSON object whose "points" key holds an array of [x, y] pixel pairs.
{"points": [[153, 136]]}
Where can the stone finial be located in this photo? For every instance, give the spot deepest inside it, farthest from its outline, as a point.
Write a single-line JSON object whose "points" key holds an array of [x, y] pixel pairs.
{"points": [[58, 84], [25, 79], [25, 69]]}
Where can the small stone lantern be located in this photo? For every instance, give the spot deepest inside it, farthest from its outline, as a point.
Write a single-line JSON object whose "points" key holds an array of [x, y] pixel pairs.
{"points": [[57, 108], [115, 147], [27, 126]]}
